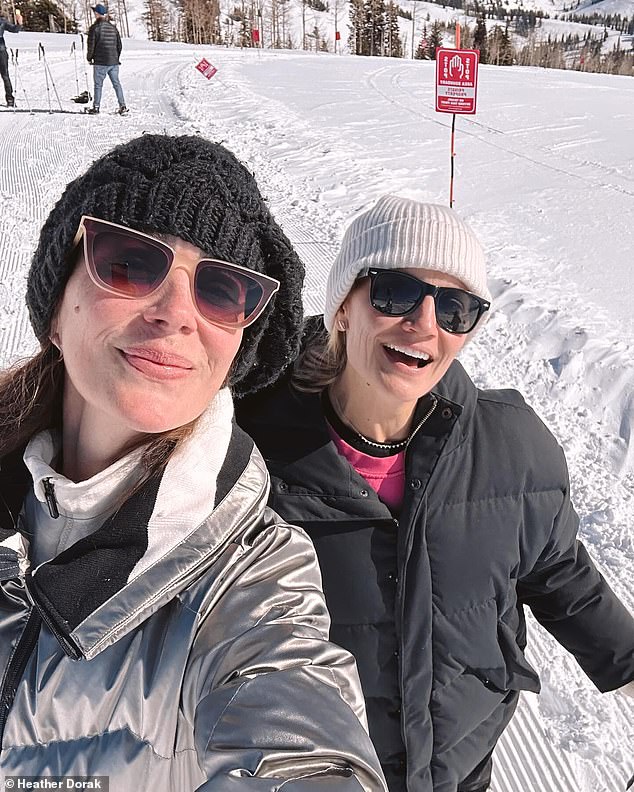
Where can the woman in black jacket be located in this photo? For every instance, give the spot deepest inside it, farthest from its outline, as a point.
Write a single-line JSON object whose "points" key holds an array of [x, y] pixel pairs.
{"points": [[438, 510]]}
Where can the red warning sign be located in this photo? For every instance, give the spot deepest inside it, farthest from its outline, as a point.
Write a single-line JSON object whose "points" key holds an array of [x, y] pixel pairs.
{"points": [[456, 80], [206, 69]]}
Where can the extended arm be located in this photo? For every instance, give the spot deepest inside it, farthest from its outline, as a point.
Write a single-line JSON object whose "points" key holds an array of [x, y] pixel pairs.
{"points": [[572, 600]]}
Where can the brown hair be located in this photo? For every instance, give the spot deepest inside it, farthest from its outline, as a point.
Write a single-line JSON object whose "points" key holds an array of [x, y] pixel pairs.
{"points": [[321, 362], [31, 395], [30, 398]]}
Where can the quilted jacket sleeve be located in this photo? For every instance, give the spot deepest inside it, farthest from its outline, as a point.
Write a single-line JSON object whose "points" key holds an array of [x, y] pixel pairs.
{"points": [[90, 42], [572, 600], [276, 704]]}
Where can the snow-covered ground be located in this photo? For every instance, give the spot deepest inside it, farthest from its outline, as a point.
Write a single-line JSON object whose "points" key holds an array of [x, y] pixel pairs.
{"points": [[545, 175]]}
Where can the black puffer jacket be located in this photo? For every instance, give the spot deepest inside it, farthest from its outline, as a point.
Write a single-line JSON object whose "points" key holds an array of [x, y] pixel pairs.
{"points": [[104, 44], [431, 604]]}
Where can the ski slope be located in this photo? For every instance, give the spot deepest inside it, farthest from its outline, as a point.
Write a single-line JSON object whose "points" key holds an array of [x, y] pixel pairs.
{"points": [[545, 175]]}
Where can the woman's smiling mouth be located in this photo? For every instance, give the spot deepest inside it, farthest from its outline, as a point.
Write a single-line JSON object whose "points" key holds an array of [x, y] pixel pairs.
{"points": [[157, 364], [407, 355]]}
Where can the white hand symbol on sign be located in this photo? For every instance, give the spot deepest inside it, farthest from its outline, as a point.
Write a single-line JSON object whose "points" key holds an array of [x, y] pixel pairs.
{"points": [[456, 63]]}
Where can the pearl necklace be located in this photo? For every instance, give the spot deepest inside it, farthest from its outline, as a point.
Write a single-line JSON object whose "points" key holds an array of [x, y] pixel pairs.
{"points": [[390, 446]]}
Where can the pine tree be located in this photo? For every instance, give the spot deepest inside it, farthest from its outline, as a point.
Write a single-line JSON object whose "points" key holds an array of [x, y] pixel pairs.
{"points": [[38, 15], [393, 44], [357, 27], [435, 39], [466, 38], [422, 51], [375, 26], [480, 40], [156, 19]]}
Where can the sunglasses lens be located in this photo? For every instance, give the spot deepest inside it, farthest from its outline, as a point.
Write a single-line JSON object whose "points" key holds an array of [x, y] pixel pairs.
{"points": [[457, 311], [227, 296], [395, 294], [128, 264]]}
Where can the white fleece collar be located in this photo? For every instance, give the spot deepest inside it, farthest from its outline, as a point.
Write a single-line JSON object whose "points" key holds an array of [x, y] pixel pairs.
{"points": [[188, 488], [186, 494]]}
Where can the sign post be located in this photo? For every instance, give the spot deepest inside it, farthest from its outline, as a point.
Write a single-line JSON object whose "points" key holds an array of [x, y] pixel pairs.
{"points": [[456, 88]]}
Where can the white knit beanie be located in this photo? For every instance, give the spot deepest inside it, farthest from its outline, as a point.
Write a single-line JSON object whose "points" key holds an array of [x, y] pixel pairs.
{"points": [[399, 233]]}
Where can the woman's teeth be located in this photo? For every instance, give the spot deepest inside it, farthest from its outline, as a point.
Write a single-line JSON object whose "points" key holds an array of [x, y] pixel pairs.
{"points": [[422, 358]]}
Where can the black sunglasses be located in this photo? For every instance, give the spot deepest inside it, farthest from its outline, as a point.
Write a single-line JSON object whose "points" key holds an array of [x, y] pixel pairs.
{"points": [[131, 264], [395, 293]]}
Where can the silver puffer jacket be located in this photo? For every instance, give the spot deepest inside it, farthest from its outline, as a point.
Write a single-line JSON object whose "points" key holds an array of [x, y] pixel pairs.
{"points": [[182, 646]]}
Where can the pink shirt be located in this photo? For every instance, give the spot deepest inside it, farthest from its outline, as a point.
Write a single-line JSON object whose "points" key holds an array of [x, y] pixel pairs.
{"points": [[386, 475]]}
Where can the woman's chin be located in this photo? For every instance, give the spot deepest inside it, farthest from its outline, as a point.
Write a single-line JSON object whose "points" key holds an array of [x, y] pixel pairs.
{"points": [[155, 421]]}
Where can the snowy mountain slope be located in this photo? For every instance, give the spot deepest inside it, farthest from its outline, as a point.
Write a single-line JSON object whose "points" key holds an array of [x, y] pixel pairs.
{"points": [[423, 15], [545, 173]]}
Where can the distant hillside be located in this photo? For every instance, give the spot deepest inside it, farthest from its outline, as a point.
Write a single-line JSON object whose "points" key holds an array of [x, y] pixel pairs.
{"points": [[592, 36]]}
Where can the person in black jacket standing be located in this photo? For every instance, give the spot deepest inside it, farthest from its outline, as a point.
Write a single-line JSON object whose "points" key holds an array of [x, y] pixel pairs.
{"points": [[4, 58], [104, 50], [438, 510]]}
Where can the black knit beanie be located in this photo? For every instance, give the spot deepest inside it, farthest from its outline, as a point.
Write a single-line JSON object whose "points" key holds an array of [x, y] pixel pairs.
{"points": [[195, 190]]}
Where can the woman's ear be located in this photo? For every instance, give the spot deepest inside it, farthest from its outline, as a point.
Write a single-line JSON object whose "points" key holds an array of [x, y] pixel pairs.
{"points": [[53, 335], [341, 320]]}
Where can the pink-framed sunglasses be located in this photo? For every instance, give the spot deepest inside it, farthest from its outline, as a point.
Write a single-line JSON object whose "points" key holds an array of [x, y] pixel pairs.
{"points": [[134, 265]]}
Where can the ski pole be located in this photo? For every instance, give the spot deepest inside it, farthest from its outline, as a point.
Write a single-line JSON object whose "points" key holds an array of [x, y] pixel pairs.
{"points": [[74, 54], [49, 73], [83, 57], [18, 79], [40, 53], [14, 61]]}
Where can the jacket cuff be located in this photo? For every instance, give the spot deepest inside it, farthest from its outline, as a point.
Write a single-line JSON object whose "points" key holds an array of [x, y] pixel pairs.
{"points": [[628, 689]]}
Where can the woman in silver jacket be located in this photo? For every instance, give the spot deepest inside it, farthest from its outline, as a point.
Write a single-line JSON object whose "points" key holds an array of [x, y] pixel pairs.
{"points": [[159, 625]]}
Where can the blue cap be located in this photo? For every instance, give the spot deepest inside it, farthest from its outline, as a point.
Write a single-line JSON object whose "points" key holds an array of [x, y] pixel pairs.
{"points": [[100, 9]]}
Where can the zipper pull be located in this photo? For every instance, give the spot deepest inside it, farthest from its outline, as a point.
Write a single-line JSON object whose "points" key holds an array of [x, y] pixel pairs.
{"points": [[51, 502]]}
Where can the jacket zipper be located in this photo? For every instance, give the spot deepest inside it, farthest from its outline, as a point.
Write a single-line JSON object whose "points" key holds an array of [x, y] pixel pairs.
{"points": [[16, 666], [51, 500], [69, 647], [425, 417]]}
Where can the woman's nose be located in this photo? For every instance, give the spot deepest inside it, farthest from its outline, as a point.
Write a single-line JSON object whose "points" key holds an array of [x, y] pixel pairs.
{"points": [[173, 304], [423, 317]]}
